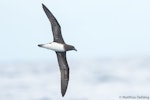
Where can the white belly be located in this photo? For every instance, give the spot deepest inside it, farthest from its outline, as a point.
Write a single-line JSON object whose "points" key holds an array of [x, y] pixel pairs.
{"points": [[54, 46]]}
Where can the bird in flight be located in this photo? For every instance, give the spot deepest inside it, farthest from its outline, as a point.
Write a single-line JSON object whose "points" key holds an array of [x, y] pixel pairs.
{"points": [[60, 47]]}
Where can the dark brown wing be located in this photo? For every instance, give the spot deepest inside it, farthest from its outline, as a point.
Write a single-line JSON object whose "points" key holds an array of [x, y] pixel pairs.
{"points": [[64, 69], [55, 26]]}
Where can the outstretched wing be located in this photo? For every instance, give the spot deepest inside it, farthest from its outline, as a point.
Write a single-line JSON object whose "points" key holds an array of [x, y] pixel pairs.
{"points": [[64, 69], [55, 26]]}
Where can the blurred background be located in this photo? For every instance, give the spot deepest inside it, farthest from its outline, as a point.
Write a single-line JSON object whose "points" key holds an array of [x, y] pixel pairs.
{"points": [[112, 38]]}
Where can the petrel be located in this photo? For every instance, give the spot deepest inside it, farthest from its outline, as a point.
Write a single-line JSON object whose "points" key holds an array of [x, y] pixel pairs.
{"points": [[60, 47]]}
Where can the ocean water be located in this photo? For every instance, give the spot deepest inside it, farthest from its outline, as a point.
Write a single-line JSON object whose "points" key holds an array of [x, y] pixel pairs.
{"points": [[97, 79]]}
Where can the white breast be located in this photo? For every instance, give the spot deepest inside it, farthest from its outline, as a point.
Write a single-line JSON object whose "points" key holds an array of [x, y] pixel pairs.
{"points": [[54, 46]]}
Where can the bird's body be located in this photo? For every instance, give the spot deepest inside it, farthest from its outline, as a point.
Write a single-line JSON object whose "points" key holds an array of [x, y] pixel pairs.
{"points": [[60, 47]]}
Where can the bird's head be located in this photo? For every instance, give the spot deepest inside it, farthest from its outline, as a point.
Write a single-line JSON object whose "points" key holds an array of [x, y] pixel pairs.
{"points": [[70, 47], [74, 48]]}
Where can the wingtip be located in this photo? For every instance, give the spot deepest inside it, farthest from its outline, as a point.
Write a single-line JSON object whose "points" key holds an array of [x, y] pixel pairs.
{"points": [[64, 85], [43, 6], [63, 93]]}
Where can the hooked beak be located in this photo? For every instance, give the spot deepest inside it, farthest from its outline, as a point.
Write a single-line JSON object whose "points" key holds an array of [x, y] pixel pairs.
{"points": [[75, 49]]}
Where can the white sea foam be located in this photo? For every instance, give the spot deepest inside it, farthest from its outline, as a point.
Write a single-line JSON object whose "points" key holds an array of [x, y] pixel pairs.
{"points": [[101, 79]]}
